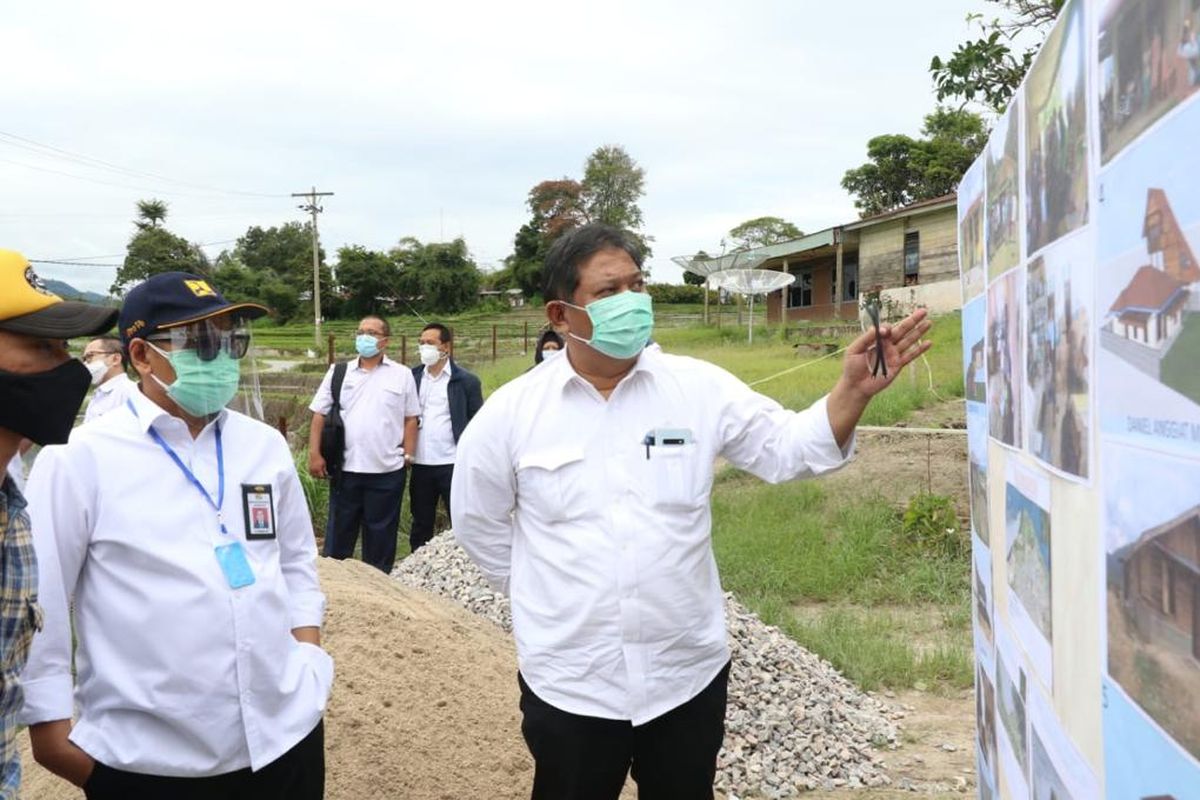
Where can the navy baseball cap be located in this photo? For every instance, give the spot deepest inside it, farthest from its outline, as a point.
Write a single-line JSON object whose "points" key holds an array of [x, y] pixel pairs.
{"points": [[171, 299]]}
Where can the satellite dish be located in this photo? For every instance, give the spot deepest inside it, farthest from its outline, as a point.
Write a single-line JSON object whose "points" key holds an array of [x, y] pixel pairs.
{"points": [[704, 267], [751, 282]]}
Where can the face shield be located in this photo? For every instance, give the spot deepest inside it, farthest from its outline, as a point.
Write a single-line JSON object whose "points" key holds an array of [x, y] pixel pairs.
{"points": [[214, 366]]}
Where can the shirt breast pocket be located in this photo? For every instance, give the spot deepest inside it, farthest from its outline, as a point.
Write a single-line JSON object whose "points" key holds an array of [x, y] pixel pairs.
{"points": [[550, 484], [676, 476]]}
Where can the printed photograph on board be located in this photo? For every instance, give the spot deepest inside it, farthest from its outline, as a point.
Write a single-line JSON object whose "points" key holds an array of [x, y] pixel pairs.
{"points": [[1139, 759], [985, 727], [974, 326], [1152, 537], [1002, 190], [1149, 288], [970, 231], [1057, 769], [1058, 292], [1012, 740], [1027, 529], [977, 474], [1148, 62], [1056, 133], [983, 630], [1004, 363]]}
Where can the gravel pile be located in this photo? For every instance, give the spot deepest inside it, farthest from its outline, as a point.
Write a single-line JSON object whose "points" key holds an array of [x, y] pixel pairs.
{"points": [[793, 723]]}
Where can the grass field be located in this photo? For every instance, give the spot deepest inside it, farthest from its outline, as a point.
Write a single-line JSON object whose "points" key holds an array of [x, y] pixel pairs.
{"points": [[833, 568], [1179, 370]]}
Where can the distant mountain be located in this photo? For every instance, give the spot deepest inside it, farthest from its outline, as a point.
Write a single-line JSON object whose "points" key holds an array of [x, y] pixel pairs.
{"points": [[68, 292]]}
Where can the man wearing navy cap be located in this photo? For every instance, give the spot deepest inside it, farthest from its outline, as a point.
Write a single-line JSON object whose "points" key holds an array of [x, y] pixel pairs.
{"points": [[41, 388], [198, 667]]}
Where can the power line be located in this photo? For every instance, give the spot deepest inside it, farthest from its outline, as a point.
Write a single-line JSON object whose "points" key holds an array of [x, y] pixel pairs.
{"points": [[314, 209], [30, 145], [69, 263], [75, 261]]}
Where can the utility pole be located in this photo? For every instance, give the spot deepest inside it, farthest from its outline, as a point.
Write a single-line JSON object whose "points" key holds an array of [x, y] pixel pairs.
{"points": [[314, 209]]}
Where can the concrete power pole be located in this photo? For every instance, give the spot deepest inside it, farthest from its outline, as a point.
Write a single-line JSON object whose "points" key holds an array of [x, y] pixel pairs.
{"points": [[314, 209]]}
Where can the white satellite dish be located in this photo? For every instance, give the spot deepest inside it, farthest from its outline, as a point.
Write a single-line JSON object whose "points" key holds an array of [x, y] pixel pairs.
{"points": [[705, 267], [751, 282]]}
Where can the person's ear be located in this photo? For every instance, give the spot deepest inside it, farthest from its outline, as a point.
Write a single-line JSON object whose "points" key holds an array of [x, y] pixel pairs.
{"points": [[556, 313]]}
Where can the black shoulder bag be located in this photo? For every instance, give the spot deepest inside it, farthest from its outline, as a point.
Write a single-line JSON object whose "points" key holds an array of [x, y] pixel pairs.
{"points": [[333, 435]]}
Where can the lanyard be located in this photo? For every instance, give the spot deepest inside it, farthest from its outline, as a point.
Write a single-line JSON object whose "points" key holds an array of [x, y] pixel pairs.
{"points": [[220, 501]]}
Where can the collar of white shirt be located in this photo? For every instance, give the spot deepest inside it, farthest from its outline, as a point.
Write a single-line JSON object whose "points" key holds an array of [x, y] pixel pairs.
{"points": [[387, 362], [113, 382], [149, 412]]}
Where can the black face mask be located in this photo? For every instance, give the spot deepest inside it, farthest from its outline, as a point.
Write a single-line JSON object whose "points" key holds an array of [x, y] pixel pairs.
{"points": [[42, 405]]}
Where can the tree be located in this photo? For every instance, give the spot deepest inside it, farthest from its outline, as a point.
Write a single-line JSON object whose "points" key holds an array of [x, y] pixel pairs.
{"points": [[558, 206], [763, 231], [370, 279], [438, 276], [151, 213], [989, 69], [613, 184], [153, 250], [904, 170]]}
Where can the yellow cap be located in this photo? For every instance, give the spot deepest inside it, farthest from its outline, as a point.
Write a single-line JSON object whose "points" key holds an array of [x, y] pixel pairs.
{"points": [[28, 307]]}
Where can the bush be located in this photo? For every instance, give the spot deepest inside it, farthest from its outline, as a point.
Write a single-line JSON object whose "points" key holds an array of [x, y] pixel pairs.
{"points": [[669, 293], [931, 526]]}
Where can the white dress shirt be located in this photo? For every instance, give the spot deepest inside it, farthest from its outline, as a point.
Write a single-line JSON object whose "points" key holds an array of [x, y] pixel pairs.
{"points": [[109, 395], [16, 471], [176, 673], [374, 405], [603, 543], [435, 445]]}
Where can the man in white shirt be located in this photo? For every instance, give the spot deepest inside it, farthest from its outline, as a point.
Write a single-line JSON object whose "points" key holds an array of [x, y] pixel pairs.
{"points": [[582, 491], [450, 396], [379, 407], [105, 360], [198, 670]]}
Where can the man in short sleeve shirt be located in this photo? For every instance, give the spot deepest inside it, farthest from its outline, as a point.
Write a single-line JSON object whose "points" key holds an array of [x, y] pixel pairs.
{"points": [[379, 407]]}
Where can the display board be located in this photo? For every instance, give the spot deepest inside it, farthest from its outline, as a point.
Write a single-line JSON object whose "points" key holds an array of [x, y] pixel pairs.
{"points": [[1079, 229]]}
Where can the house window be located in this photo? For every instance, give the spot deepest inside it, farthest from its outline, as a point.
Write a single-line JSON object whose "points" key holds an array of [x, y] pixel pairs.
{"points": [[800, 293], [850, 279], [912, 257]]}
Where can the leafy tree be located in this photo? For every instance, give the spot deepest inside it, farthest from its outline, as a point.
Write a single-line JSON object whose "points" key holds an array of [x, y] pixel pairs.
{"points": [[370, 280], [904, 170], [559, 207], [153, 250], [285, 250], [613, 184], [439, 276], [989, 69], [763, 231]]}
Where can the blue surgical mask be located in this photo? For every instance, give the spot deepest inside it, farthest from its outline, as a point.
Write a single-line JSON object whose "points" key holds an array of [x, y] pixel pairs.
{"points": [[621, 324], [366, 345]]}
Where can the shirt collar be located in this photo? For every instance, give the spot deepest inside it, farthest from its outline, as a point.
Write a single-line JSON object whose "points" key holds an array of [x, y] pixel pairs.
{"points": [[387, 362], [149, 412], [12, 497], [111, 383], [562, 373], [446, 370]]}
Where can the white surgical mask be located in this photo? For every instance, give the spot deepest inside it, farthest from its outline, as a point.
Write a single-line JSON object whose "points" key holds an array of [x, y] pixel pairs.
{"points": [[98, 369], [430, 354]]}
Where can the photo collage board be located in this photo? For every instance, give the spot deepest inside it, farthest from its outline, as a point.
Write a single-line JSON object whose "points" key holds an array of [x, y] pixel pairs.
{"points": [[1079, 234]]}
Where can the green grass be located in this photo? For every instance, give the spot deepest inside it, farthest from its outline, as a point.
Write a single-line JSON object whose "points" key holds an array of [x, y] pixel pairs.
{"points": [[1179, 367], [862, 584]]}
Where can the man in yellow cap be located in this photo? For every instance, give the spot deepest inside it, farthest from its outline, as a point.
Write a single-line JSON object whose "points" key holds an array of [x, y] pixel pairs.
{"points": [[41, 389]]}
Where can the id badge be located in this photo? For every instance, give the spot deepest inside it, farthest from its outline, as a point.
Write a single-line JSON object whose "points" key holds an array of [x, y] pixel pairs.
{"points": [[258, 510], [235, 565]]}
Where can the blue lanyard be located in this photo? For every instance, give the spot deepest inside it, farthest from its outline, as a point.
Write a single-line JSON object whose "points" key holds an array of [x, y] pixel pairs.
{"points": [[220, 501]]}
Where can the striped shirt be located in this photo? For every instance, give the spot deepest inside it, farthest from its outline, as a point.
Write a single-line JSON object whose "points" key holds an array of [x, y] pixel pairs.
{"points": [[20, 616]]}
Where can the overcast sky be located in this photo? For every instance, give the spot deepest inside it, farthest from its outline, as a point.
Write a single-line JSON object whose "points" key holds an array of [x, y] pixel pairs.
{"points": [[435, 119]]}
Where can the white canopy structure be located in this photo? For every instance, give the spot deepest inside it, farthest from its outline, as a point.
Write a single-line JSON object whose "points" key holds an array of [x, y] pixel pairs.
{"points": [[751, 282]]}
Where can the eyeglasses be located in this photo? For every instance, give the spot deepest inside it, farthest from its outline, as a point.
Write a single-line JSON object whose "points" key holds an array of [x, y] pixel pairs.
{"points": [[87, 358], [207, 340]]}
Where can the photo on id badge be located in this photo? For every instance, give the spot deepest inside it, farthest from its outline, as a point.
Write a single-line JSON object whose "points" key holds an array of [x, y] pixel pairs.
{"points": [[258, 509]]}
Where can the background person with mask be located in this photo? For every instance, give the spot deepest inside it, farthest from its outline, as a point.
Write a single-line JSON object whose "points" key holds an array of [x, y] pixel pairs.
{"points": [[379, 407], [41, 388], [549, 343], [449, 397], [198, 667], [105, 359], [582, 492]]}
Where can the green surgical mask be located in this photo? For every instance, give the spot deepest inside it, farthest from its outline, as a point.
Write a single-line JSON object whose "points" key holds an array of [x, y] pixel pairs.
{"points": [[201, 387], [621, 324]]}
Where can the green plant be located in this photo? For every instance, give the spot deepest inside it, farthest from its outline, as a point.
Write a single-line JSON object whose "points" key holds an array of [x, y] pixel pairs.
{"points": [[316, 492], [931, 525]]}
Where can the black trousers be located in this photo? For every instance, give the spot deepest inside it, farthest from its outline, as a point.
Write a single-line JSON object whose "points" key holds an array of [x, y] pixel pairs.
{"points": [[298, 774], [427, 485], [370, 501], [671, 757]]}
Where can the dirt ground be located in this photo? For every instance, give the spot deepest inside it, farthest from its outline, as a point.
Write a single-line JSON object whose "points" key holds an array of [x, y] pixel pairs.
{"points": [[424, 705]]}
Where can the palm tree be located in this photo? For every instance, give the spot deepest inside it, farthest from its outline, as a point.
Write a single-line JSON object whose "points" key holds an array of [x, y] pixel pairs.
{"points": [[151, 213]]}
